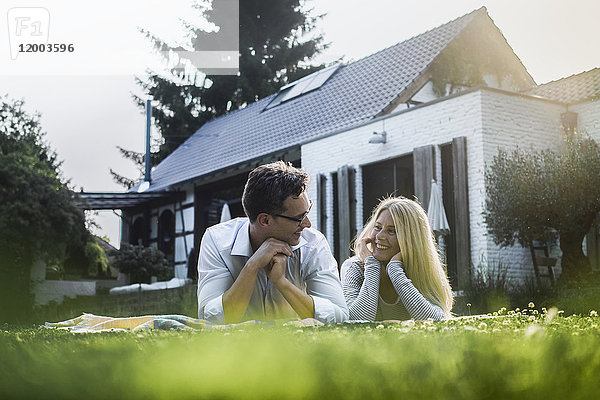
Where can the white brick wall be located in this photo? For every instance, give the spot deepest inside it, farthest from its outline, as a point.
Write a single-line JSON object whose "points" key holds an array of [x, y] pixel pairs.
{"points": [[588, 118], [489, 119], [510, 121]]}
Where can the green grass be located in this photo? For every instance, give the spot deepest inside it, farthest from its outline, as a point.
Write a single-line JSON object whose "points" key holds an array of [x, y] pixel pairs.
{"points": [[518, 354]]}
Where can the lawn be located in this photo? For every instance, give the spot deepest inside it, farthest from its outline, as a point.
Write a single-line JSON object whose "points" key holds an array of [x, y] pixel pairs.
{"points": [[521, 354]]}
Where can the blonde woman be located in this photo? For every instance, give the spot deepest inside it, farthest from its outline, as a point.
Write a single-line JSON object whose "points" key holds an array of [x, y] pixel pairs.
{"points": [[396, 272]]}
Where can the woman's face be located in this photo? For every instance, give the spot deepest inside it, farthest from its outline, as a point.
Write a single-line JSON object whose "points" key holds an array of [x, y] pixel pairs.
{"points": [[384, 240]]}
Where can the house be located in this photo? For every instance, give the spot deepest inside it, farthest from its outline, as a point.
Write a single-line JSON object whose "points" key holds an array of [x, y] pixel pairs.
{"points": [[436, 106]]}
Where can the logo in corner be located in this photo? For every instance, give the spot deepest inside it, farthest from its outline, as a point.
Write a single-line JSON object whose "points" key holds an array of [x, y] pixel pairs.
{"points": [[27, 26]]}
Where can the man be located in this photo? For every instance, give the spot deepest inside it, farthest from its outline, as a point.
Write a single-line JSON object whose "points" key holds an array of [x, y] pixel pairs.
{"points": [[272, 264]]}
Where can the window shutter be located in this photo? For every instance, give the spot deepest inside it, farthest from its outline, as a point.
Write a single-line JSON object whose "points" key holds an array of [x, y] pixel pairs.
{"points": [[423, 163], [321, 203], [346, 210], [461, 202]]}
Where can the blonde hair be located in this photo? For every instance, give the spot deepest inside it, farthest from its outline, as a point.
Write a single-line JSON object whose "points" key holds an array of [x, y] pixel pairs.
{"points": [[422, 263]]}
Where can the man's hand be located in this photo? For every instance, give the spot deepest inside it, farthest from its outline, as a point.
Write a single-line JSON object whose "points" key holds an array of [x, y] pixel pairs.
{"points": [[267, 251], [276, 270], [236, 298], [301, 302]]}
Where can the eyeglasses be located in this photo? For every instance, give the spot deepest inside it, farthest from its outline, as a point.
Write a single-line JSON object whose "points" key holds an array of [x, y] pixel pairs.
{"points": [[298, 220]]}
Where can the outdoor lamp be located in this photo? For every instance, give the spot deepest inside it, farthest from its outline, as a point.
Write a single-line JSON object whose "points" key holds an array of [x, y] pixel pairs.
{"points": [[379, 137]]}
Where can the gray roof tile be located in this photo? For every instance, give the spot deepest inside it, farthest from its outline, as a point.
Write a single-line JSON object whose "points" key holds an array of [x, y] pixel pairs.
{"points": [[573, 89], [355, 92]]}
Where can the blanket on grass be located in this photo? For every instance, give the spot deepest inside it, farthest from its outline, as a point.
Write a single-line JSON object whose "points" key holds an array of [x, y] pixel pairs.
{"points": [[88, 323], [96, 323]]}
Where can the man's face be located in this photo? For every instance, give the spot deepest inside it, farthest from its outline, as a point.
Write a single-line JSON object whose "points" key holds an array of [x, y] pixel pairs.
{"points": [[284, 227]]}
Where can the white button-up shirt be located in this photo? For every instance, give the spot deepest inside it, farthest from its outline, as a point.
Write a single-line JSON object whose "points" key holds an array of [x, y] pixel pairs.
{"points": [[226, 248]]}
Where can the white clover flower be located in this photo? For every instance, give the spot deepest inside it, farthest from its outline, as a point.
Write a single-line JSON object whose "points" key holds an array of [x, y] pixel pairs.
{"points": [[593, 313], [408, 323], [533, 329], [553, 312], [531, 305]]}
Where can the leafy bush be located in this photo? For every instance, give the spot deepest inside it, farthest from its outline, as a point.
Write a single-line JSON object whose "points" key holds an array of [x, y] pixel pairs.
{"points": [[97, 259], [141, 263], [530, 193], [38, 218]]}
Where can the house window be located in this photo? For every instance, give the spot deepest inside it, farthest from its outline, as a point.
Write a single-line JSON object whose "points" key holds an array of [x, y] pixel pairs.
{"points": [[302, 86], [166, 233], [136, 234]]}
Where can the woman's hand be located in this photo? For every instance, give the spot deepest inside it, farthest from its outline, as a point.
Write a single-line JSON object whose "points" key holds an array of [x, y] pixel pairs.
{"points": [[365, 242], [397, 257]]}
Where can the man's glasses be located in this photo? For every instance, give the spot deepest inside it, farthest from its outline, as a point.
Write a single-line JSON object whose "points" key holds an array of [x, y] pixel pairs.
{"points": [[298, 220]]}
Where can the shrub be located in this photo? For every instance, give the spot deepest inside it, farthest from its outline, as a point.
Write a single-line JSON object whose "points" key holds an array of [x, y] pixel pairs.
{"points": [[142, 262], [530, 193], [490, 289], [97, 260]]}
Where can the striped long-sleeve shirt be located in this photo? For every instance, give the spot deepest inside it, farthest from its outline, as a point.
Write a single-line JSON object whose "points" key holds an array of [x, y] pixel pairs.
{"points": [[361, 290]]}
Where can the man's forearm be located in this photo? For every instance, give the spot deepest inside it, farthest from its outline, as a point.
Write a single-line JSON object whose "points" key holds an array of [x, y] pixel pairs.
{"points": [[237, 297], [302, 303]]}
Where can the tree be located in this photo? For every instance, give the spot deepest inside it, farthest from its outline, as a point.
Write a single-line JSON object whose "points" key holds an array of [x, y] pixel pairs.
{"points": [[478, 51], [141, 263], [530, 194], [38, 219], [275, 38]]}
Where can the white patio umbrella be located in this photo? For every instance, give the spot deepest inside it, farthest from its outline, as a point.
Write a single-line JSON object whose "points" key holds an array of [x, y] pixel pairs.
{"points": [[436, 212], [225, 213], [437, 218]]}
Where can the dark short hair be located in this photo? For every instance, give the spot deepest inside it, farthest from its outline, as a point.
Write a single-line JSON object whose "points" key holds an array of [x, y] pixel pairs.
{"points": [[269, 185]]}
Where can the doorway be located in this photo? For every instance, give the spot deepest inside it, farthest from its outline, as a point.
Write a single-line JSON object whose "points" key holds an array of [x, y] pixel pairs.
{"points": [[393, 177]]}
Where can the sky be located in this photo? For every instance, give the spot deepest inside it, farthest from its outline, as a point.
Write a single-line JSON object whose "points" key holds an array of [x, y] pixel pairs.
{"points": [[85, 96]]}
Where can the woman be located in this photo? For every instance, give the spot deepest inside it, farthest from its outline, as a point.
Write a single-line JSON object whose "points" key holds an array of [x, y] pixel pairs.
{"points": [[396, 272]]}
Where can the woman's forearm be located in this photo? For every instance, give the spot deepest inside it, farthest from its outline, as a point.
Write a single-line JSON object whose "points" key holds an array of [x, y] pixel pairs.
{"points": [[361, 289], [415, 303]]}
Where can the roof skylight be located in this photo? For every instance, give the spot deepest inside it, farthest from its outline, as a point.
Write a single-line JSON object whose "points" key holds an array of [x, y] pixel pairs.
{"points": [[303, 85]]}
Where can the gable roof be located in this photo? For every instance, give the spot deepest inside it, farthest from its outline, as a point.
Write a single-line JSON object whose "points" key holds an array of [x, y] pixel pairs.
{"points": [[355, 92], [573, 89]]}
